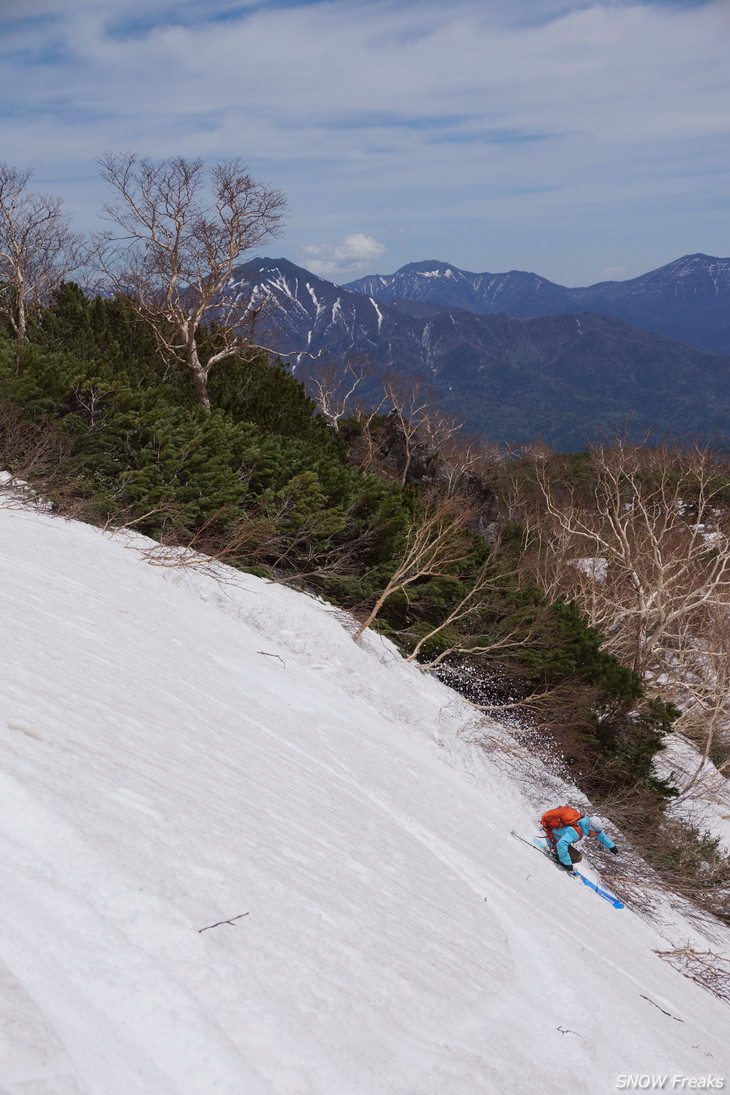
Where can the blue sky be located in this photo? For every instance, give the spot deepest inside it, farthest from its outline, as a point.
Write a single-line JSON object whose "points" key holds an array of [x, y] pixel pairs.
{"points": [[581, 140]]}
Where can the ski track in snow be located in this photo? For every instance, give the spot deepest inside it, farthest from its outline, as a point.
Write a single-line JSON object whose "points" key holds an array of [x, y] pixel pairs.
{"points": [[176, 751]]}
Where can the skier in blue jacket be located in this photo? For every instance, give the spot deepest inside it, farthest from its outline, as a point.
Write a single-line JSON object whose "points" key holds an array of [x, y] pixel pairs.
{"points": [[562, 840]]}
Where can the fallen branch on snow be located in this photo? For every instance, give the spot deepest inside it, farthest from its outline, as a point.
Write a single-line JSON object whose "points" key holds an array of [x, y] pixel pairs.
{"points": [[222, 922]]}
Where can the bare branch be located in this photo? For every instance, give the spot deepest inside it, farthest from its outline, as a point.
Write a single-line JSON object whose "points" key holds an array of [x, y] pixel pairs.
{"points": [[218, 924], [644, 549], [180, 229], [435, 545], [332, 386], [37, 248]]}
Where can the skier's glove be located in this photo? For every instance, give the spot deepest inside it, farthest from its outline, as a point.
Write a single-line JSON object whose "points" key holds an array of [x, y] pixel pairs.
{"points": [[614, 850]]}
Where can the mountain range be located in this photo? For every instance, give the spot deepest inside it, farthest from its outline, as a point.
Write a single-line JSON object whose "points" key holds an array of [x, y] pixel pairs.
{"points": [[688, 299], [560, 376]]}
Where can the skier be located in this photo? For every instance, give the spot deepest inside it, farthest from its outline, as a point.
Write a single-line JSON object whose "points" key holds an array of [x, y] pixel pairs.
{"points": [[564, 826]]}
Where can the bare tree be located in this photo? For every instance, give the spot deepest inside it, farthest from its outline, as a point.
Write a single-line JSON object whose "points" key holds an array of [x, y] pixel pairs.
{"points": [[183, 230], [645, 552], [332, 386], [654, 520], [474, 602], [436, 542], [365, 448], [469, 454], [37, 248], [419, 422]]}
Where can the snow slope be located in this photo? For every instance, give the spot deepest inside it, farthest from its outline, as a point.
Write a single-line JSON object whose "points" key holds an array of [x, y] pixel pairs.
{"points": [[706, 805], [176, 751]]}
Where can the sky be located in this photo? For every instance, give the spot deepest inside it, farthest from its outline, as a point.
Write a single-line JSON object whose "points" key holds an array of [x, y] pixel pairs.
{"points": [[243, 854], [579, 139]]}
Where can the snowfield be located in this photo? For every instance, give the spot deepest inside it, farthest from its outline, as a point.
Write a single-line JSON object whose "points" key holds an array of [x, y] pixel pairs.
{"points": [[178, 751], [706, 805]]}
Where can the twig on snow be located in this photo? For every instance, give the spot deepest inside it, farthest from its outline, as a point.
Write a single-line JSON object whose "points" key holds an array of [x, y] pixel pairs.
{"points": [[662, 1009], [222, 922], [267, 655]]}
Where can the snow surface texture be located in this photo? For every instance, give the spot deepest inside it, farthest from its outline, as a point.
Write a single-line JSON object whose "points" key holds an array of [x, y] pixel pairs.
{"points": [[177, 752]]}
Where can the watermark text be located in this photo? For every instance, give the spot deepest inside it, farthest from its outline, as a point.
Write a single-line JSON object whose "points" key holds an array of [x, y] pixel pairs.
{"points": [[657, 1082]]}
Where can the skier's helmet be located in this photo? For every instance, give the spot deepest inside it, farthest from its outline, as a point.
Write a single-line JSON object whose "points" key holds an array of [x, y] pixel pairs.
{"points": [[596, 823]]}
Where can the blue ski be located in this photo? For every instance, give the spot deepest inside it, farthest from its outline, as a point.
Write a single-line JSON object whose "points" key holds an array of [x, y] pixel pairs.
{"points": [[541, 844], [601, 892]]}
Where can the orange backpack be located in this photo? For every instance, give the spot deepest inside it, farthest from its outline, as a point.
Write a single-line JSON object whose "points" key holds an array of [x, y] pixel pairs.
{"points": [[557, 818]]}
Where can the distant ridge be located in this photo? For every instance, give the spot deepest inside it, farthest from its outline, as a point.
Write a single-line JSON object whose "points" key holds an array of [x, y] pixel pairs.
{"points": [[567, 378], [689, 299]]}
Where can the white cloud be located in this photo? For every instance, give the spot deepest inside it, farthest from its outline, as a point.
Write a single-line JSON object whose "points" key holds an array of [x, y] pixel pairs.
{"points": [[354, 254]]}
